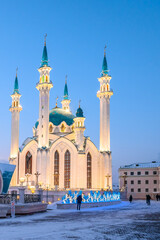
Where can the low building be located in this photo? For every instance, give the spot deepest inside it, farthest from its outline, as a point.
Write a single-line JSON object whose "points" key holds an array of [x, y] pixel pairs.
{"points": [[140, 179]]}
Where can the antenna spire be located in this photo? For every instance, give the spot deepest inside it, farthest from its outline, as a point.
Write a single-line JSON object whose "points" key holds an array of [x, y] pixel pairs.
{"points": [[79, 103], [66, 79], [56, 101], [105, 50], [45, 39], [16, 71]]}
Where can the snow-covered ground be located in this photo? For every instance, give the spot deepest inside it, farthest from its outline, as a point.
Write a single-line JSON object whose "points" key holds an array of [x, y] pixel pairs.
{"points": [[123, 221]]}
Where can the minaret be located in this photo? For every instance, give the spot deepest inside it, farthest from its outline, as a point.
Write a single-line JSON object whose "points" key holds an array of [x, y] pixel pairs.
{"points": [[44, 85], [104, 95], [15, 110], [79, 128], [66, 101]]}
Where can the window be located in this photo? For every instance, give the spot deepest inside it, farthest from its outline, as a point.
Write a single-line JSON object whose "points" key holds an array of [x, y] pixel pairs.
{"points": [[125, 182], [132, 182], [46, 78], [132, 189], [28, 165], [146, 189], [139, 181], [131, 173], [147, 182], [154, 172], [125, 173], [155, 181], [56, 168], [138, 173], [107, 87], [43, 79], [67, 169], [89, 171], [146, 172], [139, 190], [62, 128], [50, 128], [155, 190]]}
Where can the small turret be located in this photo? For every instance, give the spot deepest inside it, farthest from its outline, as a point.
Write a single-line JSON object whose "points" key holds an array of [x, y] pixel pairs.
{"points": [[66, 101], [79, 128]]}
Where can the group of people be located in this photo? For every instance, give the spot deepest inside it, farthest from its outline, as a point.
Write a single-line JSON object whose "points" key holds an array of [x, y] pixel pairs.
{"points": [[148, 198]]}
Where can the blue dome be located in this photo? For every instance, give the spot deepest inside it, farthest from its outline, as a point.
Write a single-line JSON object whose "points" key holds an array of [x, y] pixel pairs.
{"points": [[58, 115], [79, 112]]}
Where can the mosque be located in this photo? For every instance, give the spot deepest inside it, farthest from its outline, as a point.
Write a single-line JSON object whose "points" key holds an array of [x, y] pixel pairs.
{"points": [[58, 155]]}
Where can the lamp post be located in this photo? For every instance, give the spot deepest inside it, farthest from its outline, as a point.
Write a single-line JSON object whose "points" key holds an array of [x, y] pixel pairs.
{"points": [[47, 194], [56, 175], [124, 176], [22, 179], [37, 176], [27, 176], [108, 176]]}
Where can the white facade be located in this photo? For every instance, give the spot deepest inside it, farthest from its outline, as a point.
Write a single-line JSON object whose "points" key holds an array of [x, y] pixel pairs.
{"points": [[58, 150], [140, 179]]}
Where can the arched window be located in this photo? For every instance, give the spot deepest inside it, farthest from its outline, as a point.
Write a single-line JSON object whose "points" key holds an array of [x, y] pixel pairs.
{"points": [[28, 165], [43, 79], [89, 171], [46, 78], [50, 128], [104, 88], [62, 128], [107, 87], [56, 168], [67, 169]]}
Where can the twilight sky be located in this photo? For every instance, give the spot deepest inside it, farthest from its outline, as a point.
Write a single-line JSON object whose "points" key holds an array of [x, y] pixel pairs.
{"points": [[77, 32]]}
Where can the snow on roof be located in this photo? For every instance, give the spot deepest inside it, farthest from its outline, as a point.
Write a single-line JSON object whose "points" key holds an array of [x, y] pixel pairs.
{"points": [[153, 164]]}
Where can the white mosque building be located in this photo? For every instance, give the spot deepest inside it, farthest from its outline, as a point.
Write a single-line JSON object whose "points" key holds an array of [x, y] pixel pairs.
{"points": [[58, 151]]}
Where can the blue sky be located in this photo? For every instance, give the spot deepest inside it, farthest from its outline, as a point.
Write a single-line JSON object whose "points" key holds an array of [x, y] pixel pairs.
{"points": [[77, 32]]}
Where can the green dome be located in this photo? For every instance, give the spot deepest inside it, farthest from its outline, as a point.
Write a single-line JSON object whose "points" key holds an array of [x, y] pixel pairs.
{"points": [[58, 115], [79, 112]]}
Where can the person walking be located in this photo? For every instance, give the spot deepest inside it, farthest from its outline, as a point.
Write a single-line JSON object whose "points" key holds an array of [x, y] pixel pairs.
{"points": [[130, 198], [157, 197], [148, 199], [79, 201]]}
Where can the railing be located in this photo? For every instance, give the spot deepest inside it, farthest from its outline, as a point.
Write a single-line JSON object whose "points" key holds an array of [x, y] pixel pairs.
{"points": [[30, 198], [7, 198]]}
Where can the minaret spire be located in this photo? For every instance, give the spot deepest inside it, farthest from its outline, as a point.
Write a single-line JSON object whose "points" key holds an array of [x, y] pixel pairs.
{"points": [[15, 109], [104, 95], [44, 61], [66, 101], [104, 65]]}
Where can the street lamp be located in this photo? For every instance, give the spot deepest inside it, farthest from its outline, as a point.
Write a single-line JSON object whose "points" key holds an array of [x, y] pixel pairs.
{"points": [[22, 179], [56, 175], [37, 175], [27, 176], [108, 176], [124, 176]]}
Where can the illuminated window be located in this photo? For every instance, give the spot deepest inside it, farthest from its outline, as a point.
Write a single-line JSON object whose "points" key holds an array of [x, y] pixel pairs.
{"points": [[67, 169], [40, 80], [56, 168], [103, 88], [17, 104], [62, 128], [72, 128], [28, 165], [43, 79], [46, 78], [107, 87], [89, 171], [50, 128]]}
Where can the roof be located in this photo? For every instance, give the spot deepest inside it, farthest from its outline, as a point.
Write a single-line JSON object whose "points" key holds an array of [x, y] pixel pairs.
{"points": [[16, 88], [79, 112], [104, 66], [153, 164], [44, 61], [29, 139], [58, 115], [65, 91]]}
